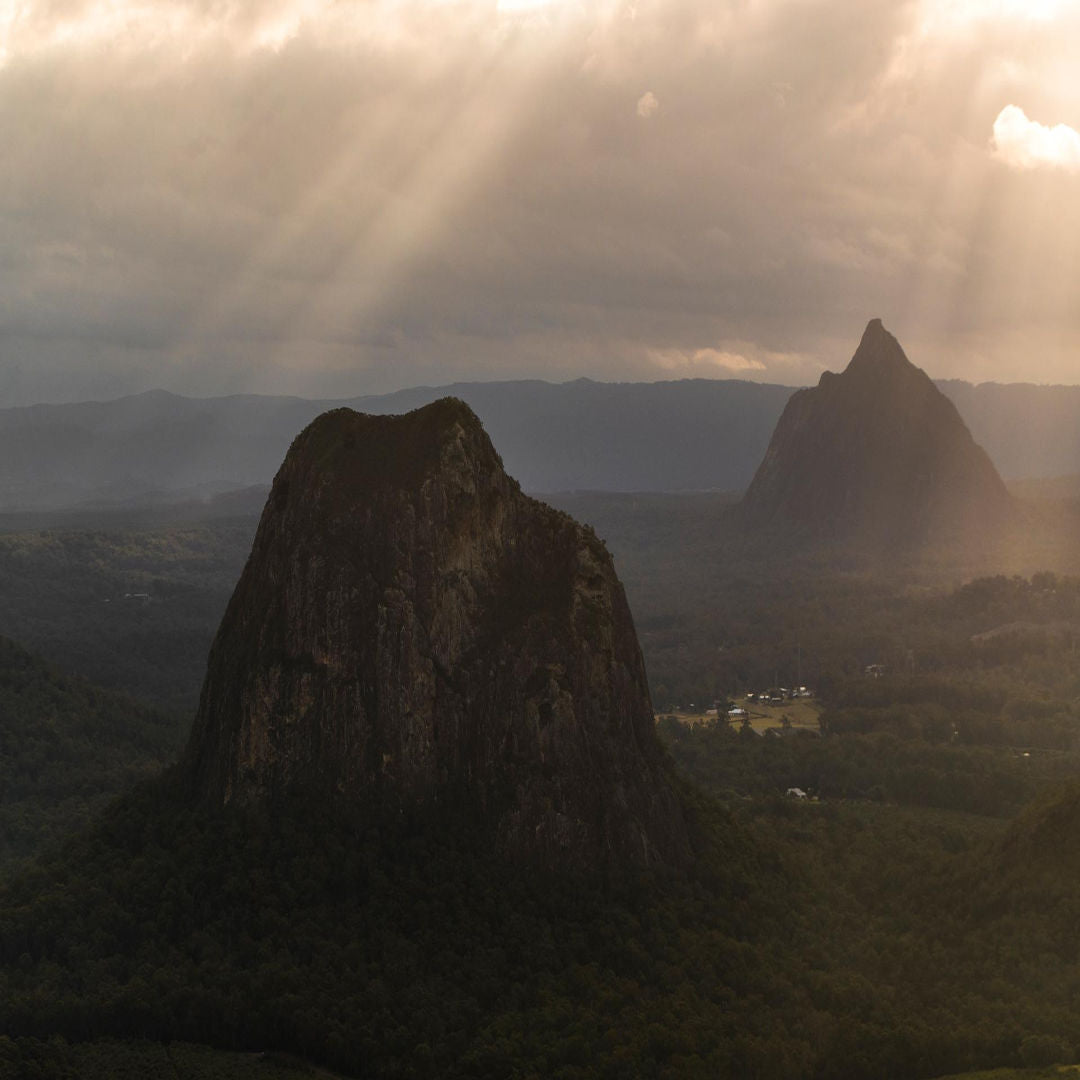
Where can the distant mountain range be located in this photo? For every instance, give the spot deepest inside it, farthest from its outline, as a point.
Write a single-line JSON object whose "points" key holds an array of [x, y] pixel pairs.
{"points": [[688, 435]]}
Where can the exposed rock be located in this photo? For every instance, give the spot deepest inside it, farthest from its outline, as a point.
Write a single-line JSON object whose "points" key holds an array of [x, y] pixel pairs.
{"points": [[412, 630], [877, 455]]}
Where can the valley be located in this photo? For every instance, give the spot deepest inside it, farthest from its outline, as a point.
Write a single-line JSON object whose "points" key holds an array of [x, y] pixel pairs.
{"points": [[881, 876], [903, 804]]}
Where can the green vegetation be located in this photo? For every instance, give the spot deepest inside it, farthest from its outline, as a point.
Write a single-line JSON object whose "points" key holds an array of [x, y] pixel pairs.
{"points": [[407, 949], [719, 613], [917, 920], [1053, 1072], [109, 1059], [66, 749], [811, 940], [72, 596], [715, 616], [879, 766]]}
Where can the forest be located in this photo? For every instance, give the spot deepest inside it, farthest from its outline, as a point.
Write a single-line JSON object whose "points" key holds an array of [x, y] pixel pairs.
{"points": [[913, 917]]}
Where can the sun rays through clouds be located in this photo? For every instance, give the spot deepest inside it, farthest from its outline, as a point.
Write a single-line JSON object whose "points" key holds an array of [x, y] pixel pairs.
{"points": [[328, 198]]}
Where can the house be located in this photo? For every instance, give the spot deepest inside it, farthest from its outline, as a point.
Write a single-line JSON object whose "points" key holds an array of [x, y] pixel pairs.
{"points": [[795, 793]]}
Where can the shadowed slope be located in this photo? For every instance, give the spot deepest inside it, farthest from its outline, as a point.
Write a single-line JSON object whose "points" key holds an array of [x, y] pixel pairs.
{"points": [[412, 631], [877, 456]]}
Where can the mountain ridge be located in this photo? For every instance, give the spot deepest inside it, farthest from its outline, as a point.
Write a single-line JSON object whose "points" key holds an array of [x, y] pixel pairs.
{"points": [[676, 435]]}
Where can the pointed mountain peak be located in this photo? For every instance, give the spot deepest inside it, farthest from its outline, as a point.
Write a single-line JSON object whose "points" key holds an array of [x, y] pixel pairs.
{"points": [[877, 455], [879, 353]]}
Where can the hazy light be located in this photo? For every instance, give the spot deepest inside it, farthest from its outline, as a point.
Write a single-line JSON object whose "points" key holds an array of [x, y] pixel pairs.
{"points": [[706, 362], [409, 187], [1027, 144], [28, 29], [957, 13], [648, 105], [523, 5]]}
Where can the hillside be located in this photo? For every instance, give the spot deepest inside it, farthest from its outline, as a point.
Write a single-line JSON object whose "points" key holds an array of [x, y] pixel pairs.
{"points": [[66, 749]]}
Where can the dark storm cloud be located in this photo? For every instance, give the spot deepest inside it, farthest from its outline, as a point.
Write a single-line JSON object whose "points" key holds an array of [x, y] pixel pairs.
{"points": [[301, 197]]}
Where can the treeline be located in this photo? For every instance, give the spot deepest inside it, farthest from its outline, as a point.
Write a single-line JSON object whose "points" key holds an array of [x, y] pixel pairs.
{"points": [[827, 941]]}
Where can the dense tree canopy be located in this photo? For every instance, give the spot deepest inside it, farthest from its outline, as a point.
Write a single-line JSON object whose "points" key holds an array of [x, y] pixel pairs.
{"points": [[914, 917]]}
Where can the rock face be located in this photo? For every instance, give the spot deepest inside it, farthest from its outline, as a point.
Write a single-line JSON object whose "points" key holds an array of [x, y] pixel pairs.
{"points": [[877, 455], [412, 630]]}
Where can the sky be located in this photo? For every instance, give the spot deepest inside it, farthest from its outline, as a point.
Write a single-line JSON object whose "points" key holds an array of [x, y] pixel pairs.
{"points": [[331, 198]]}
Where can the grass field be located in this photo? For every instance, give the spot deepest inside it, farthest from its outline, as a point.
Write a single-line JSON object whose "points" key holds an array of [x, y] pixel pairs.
{"points": [[802, 713]]}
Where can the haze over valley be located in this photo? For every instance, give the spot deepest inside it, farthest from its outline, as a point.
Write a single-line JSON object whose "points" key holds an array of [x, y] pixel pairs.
{"points": [[688, 435]]}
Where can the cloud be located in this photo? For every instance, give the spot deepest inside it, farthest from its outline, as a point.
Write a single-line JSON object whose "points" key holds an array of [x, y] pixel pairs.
{"points": [[959, 15], [647, 105], [351, 198], [1027, 144], [703, 362]]}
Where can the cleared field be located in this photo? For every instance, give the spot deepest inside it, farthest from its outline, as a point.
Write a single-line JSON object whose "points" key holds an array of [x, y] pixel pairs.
{"points": [[803, 713]]}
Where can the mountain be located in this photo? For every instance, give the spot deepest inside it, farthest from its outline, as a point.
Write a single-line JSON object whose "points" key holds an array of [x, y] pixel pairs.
{"points": [[162, 449], [54, 456], [877, 455], [688, 435], [1028, 430], [412, 631], [694, 434]]}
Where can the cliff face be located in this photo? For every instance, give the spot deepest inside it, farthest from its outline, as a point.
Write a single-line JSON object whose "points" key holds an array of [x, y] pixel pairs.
{"points": [[877, 454], [411, 629]]}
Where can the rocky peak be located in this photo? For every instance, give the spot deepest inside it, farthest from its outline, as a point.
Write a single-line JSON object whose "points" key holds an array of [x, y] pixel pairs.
{"points": [[878, 350], [877, 455], [879, 357], [412, 630]]}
